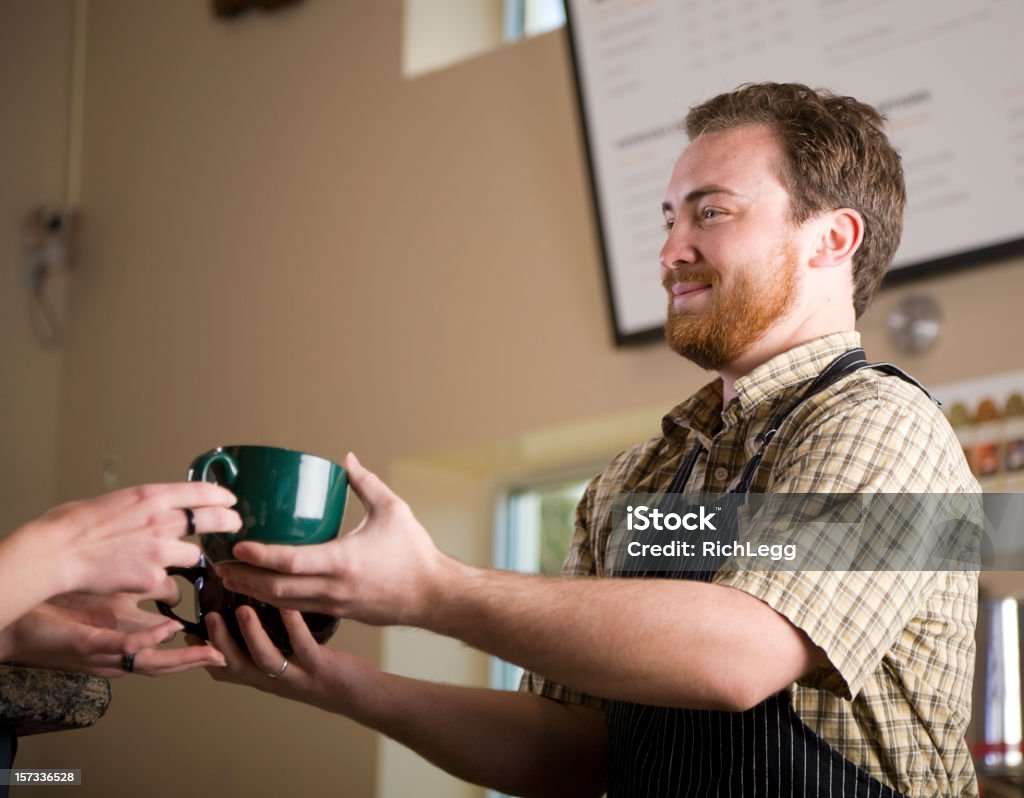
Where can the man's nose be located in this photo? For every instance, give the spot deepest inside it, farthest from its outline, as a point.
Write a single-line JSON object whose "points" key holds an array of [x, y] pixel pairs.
{"points": [[677, 251]]}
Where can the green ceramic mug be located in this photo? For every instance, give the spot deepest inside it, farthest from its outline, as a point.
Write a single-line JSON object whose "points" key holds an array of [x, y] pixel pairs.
{"points": [[284, 497]]}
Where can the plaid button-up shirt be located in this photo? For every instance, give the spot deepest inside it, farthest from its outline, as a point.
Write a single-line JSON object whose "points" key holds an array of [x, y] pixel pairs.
{"points": [[894, 697]]}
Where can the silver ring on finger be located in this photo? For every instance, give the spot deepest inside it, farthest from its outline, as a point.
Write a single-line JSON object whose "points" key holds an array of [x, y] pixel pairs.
{"points": [[280, 672]]}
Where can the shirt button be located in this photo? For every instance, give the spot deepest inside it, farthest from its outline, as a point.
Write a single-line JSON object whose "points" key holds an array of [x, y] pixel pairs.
{"points": [[721, 474]]}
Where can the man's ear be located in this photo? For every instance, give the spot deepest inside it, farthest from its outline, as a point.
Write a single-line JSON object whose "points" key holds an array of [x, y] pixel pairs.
{"points": [[841, 233]]}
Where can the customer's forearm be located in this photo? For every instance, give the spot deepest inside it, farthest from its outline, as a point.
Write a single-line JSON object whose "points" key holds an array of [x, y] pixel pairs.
{"points": [[27, 575]]}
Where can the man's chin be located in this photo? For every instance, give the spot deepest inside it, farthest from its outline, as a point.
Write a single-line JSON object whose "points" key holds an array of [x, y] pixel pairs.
{"points": [[700, 358], [693, 347]]}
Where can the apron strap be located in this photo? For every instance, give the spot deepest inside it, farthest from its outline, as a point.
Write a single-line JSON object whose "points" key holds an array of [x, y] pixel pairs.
{"points": [[846, 364], [685, 469], [843, 366]]}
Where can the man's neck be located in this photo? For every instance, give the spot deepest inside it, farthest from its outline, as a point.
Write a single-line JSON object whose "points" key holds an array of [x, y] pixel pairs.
{"points": [[766, 349]]}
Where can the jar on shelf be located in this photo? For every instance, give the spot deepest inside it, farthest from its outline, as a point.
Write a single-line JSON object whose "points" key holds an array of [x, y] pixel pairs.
{"points": [[960, 419], [1014, 448], [989, 432]]}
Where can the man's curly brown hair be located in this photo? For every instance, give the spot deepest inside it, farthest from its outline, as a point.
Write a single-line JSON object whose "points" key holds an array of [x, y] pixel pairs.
{"points": [[836, 156]]}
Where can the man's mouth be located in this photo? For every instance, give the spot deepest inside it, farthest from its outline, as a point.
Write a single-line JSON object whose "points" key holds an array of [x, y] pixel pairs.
{"points": [[689, 296], [684, 289]]}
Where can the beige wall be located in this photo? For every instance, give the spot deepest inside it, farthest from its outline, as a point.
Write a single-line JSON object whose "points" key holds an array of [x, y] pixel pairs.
{"points": [[284, 241], [35, 59]]}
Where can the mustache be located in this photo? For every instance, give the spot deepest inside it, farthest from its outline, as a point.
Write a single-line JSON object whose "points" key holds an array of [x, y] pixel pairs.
{"points": [[707, 276]]}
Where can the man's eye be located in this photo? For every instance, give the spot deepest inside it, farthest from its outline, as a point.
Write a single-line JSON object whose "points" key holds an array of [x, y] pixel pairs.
{"points": [[667, 226], [709, 213]]}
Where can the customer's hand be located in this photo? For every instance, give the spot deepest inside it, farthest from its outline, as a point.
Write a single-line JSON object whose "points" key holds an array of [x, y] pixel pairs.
{"points": [[384, 572], [89, 641], [124, 540], [120, 611]]}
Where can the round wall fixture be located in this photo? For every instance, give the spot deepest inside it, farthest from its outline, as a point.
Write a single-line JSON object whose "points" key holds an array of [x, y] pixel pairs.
{"points": [[914, 324]]}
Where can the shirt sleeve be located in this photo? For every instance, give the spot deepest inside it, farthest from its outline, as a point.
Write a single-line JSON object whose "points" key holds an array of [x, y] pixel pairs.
{"points": [[866, 444]]}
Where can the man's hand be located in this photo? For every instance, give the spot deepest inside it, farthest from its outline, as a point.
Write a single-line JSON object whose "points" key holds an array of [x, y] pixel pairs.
{"points": [[315, 674], [387, 571], [518, 743], [728, 651]]}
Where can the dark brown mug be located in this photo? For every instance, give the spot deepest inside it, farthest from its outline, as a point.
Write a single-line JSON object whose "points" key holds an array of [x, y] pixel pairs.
{"points": [[212, 596]]}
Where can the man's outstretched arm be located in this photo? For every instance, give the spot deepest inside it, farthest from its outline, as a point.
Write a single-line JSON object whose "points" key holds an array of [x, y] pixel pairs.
{"points": [[519, 743], [654, 641]]}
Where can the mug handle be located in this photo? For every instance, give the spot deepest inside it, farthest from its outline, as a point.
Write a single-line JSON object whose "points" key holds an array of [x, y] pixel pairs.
{"points": [[193, 574], [199, 471]]}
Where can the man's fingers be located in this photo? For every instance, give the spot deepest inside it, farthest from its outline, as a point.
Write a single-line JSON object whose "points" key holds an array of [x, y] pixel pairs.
{"points": [[239, 667], [284, 559], [265, 655], [370, 489], [306, 593], [303, 644], [249, 576]]}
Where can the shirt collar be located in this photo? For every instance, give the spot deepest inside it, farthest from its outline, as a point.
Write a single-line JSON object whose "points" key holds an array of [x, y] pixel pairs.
{"points": [[702, 412], [800, 364]]}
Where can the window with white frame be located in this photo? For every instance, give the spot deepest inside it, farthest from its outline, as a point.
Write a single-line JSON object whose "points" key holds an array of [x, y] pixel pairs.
{"points": [[532, 17], [532, 535], [439, 33]]}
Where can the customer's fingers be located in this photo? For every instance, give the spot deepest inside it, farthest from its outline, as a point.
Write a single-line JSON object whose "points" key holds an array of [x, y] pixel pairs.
{"points": [[165, 661]]}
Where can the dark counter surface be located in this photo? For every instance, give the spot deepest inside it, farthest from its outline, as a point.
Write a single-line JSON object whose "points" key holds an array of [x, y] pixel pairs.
{"points": [[33, 701]]}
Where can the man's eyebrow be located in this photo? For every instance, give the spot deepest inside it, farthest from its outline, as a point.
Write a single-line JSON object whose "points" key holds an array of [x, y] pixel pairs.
{"points": [[698, 193]]}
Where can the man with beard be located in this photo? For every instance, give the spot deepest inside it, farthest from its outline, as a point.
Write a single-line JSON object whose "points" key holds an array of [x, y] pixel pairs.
{"points": [[782, 215]]}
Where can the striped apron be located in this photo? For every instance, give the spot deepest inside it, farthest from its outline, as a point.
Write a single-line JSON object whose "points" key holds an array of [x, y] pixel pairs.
{"points": [[767, 751]]}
